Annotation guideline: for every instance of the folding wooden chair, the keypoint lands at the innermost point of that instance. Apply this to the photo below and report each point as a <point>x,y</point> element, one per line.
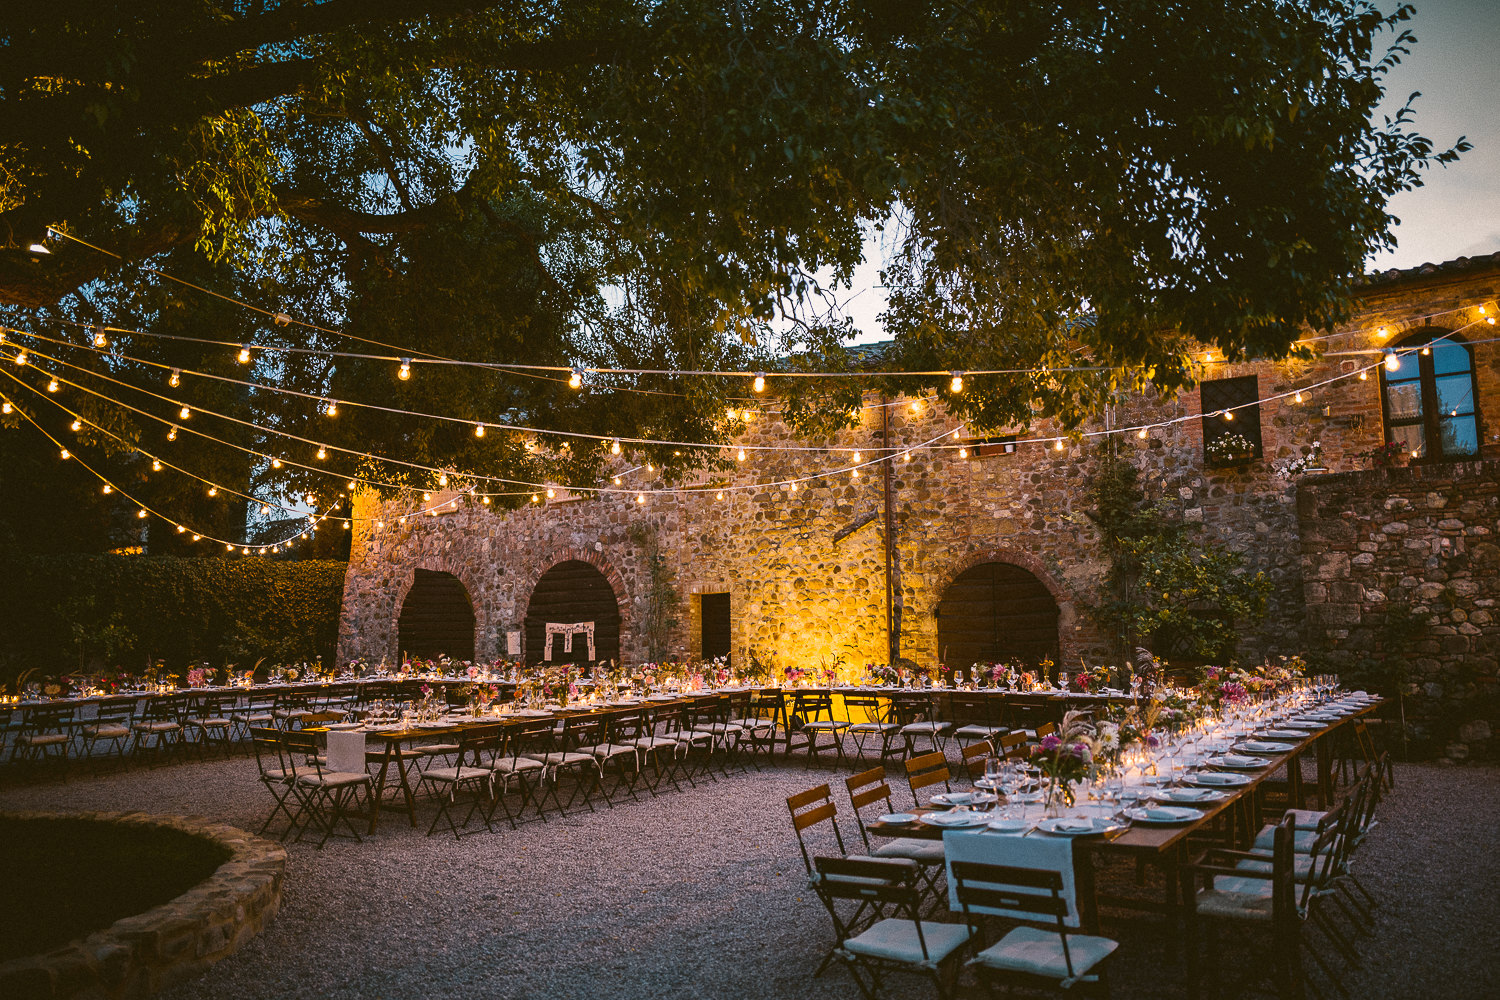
<point>326,795</point>
<point>879,727</point>
<point>926,771</point>
<point>474,768</point>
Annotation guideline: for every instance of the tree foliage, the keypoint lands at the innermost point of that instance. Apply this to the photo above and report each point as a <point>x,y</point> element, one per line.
<point>1077,187</point>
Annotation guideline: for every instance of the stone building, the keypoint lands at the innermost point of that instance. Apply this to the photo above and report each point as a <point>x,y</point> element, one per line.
<point>993,551</point>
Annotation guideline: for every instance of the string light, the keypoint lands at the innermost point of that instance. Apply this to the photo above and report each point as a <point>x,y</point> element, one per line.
<point>141,513</point>
<point>854,473</point>
<point>575,380</point>
<point>1297,398</point>
<point>741,456</point>
<point>6,407</point>
<point>719,495</point>
<point>21,358</point>
<point>916,406</point>
<point>486,501</point>
<point>1364,375</point>
<point>199,538</point>
<point>747,416</point>
<point>1142,434</point>
<point>963,453</point>
<point>792,486</point>
<point>184,413</point>
<point>1383,332</point>
<point>640,498</point>
<point>244,355</point>
<point>614,449</point>
<point>1228,414</point>
<point>1392,363</point>
<point>350,487</point>
<point>213,491</point>
<point>75,426</point>
<point>108,489</point>
<point>275,463</point>
<point>551,493</point>
<point>535,498</point>
<point>856,456</point>
<point>322,452</point>
<point>443,479</point>
<point>760,381</point>
<point>172,434</point>
<point>617,480</point>
<point>333,408</point>
<point>479,430</point>
<point>156,465</point>
<point>181,529</point>
<point>404,372</point>
<point>1059,444</point>
<point>100,340</point>
<point>957,385</point>
<point>52,385</point>
<point>175,379</point>
<point>65,454</point>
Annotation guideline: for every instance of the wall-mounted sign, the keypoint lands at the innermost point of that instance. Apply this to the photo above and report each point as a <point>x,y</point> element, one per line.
<point>568,631</point>
<point>513,643</point>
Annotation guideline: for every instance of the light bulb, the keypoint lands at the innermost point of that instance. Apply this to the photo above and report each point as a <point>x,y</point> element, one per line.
<point>52,385</point>
<point>401,519</point>
<point>244,354</point>
<point>346,525</point>
<point>229,547</point>
<point>856,456</point>
<point>1059,444</point>
<point>1392,363</point>
<point>720,495</point>
<point>172,434</point>
<point>640,498</point>
<point>184,413</point>
<point>350,486</point>
<point>197,538</point>
<point>535,498</point>
<point>6,407</point>
<point>747,416</point>
<point>1490,320</point>
<point>180,529</point>
<point>1364,375</point>
<point>963,453</point>
<point>906,457</point>
<point>792,487</point>
<point>854,473</point>
<point>100,340</point>
<point>1427,350</point>
<point>175,379</point>
<point>551,493</point>
<point>275,463</point>
<point>141,512</point>
<point>443,479</point>
<point>486,501</point>
<point>1383,332</point>
<point>76,426</point>
<point>404,372</point>
<point>741,456</point>
<point>243,552</point>
<point>575,380</point>
<point>322,452</point>
<point>156,465</point>
<point>617,480</point>
<point>479,430</point>
<point>21,358</point>
<point>614,449</point>
<point>1228,414</point>
<point>333,408</point>
<point>108,488</point>
<point>957,385</point>
<point>916,406</point>
<point>1141,434</point>
<point>213,491</point>
<point>760,381</point>
<point>1297,398</point>
<point>426,497</point>
<point>66,454</point>
<point>650,467</point>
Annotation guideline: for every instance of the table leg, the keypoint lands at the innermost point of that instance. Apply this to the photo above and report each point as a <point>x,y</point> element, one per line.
<point>411,800</point>
<point>379,790</point>
<point>1324,746</point>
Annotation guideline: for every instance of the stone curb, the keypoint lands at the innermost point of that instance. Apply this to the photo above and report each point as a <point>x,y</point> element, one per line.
<point>143,954</point>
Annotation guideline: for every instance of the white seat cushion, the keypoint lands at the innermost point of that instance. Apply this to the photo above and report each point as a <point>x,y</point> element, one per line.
<point>607,750</point>
<point>519,764</point>
<point>438,748</point>
<point>108,732</point>
<point>564,757</point>
<point>922,851</point>
<point>42,739</point>
<point>984,732</point>
<point>897,941</point>
<point>333,779</point>
<point>873,727</point>
<point>1302,840</point>
<point>452,774</point>
<point>925,727</point>
<point>156,727</point>
<point>825,725</point>
<point>210,723</point>
<point>651,742</point>
<point>1036,952</point>
<point>1223,902</point>
<point>1301,866</point>
<point>719,728</point>
<point>1306,819</point>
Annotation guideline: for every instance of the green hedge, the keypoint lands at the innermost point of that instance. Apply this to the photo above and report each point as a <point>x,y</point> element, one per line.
<point>129,610</point>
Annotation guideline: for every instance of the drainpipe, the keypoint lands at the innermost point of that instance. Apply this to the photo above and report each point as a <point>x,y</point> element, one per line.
<point>892,579</point>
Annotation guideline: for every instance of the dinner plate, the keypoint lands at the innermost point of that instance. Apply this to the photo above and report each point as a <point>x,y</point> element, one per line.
<point>1194,795</point>
<point>1239,761</point>
<point>1163,815</point>
<point>1009,825</point>
<point>898,818</point>
<point>1264,747</point>
<point>962,798</point>
<point>1283,734</point>
<point>340,726</point>
<point>661,697</point>
<point>955,820</point>
<point>1026,798</point>
<point>1219,778</point>
<point>1064,826</point>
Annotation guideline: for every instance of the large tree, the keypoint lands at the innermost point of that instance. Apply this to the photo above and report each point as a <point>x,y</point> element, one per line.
<point>1084,187</point>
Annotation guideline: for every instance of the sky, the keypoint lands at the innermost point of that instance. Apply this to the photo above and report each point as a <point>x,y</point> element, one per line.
<point>1455,65</point>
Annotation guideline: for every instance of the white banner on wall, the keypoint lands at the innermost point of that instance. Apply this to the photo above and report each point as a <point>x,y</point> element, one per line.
<point>568,631</point>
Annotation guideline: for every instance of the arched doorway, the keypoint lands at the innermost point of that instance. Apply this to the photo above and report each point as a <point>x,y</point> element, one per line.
<point>437,618</point>
<point>572,593</point>
<point>996,612</point>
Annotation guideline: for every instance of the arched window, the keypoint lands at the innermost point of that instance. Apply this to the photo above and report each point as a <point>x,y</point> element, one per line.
<point>1430,398</point>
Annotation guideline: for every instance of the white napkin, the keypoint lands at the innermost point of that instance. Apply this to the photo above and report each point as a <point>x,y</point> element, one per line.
<point>346,752</point>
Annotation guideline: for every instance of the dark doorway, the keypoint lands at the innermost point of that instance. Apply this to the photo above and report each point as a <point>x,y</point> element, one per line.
<point>715,625</point>
<point>437,618</point>
<point>996,612</point>
<point>570,593</point>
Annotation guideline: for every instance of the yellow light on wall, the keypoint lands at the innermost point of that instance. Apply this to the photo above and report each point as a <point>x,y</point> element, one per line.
<point>719,495</point>
<point>916,406</point>
<point>1059,444</point>
<point>640,498</point>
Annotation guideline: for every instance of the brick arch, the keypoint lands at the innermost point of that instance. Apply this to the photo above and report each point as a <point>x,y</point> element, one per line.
<point>1067,611</point>
<point>539,565</point>
<point>438,565</point>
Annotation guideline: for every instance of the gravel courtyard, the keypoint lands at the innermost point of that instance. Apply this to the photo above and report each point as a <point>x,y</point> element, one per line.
<point>702,894</point>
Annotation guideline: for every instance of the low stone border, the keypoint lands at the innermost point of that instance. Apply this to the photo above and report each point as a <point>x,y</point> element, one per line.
<point>140,955</point>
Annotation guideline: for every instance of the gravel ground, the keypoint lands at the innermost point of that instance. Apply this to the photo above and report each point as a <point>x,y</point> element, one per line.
<point>702,894</point>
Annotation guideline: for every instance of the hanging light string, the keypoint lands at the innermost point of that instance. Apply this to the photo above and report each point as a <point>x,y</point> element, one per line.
<point>465,421</point>
<point>283,318</point>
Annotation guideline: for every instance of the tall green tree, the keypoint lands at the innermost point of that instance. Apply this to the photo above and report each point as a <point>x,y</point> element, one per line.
<point>1077,187</point>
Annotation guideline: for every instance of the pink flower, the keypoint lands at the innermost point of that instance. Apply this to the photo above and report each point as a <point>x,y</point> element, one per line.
<point>1051,742</point>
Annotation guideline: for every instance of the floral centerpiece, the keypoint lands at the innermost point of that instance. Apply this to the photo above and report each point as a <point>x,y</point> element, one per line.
<point>1230,447</point>
<point>885,675</point>
<point>1066,757</point>
<point>1091,680</point>
<point>1222,686</point>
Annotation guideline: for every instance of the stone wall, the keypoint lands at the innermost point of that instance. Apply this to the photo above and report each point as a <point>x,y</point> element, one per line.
<point>1402,576</point>
<point>801,597</point>
<point>141,955</point>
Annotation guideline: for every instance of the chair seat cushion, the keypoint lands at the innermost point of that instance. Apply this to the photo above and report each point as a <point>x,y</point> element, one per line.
<point>563,757</point>
<point>896,940</point>
<point>1036,952</point>
<point>1301,866</point>
<point>607,750</point>
<point>874,727</point>
<point>333,779</point>
<point>754,725</point>
<point>42,739</point>
<point>922,851</point>
<point>254,719</point>
<point>431,749</point>
<point>1306,819</point>
<point>448,775</point>
<point>210,723</point>
<point>518,764</point>
<point>983,732</point>
<point>719,728</point>
<point>826,725</point>
<point>1225,901</point>
<point>108,732</point>
<point>156,727</point>
<point>693,737</point>
<point>652,742</point>
<point>925,727</point>
<point>1302,840</point>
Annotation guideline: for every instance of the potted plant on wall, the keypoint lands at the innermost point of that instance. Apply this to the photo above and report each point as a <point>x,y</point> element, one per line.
<point>1229,449</point>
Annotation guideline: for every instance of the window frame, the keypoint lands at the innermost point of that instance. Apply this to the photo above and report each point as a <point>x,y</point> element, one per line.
<point>1246,417</point>
<point>1429,416</point>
